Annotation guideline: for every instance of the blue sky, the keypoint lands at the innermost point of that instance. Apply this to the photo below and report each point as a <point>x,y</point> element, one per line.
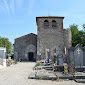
<point>18,17</point>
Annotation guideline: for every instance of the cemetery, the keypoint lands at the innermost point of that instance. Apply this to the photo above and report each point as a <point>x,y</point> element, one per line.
<point>74,69</point>
<point>55,57</point>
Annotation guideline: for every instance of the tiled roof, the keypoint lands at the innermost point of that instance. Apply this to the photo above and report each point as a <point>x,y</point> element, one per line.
<point>49,17</point>
<point>26,35</point>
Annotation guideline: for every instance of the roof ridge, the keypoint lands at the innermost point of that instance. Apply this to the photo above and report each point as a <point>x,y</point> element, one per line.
<point>26,35</point>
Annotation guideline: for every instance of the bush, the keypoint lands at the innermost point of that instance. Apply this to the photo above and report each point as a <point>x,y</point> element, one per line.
<point>38,64</point>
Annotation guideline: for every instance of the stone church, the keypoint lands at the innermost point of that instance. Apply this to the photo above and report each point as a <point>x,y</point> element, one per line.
<point>51,41</point>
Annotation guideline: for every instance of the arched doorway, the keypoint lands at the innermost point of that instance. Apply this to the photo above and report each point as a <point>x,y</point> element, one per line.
<point>30,56</point>
<point>31,52</point>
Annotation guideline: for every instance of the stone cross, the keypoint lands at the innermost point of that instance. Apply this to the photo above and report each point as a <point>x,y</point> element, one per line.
<point>55,50</point>
<point>78,51</point>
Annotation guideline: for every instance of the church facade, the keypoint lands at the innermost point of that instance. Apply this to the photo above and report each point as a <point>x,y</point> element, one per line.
<point>51,41</point>
<point>25,48</point>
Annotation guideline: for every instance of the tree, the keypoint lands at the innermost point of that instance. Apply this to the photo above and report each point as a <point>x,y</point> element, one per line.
<point>81,38</point>
<point>84,27</point>
<point>78,36</point>
<point>82,35</point>
<point>74,30</point>
<point>4,42</point>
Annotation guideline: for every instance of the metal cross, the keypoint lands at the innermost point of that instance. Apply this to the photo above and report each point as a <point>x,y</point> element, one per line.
<point>78,51</point>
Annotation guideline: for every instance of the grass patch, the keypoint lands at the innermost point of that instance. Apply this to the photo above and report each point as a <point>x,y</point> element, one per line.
<point>40,77</point>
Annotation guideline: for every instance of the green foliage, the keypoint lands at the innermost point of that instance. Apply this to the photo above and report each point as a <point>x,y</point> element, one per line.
<point>4,42</point>
<point>40,77</point>
<point>78,36</point>
<point>33,68</point>
<point>72,62</point>
<point>38,64</point>
<point>84,27</point>
<point>74,30</point>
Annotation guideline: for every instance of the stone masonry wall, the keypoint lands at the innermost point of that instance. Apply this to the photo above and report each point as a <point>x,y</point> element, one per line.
<point>51,37</point>
<point>22,43</point>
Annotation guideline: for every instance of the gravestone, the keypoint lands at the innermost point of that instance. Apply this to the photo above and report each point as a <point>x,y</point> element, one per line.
<point>48,53</point>
<point>84,55</point>
<point>77,58</point>
<point>55,59</point>
<point>60,59</point>
<point>76,55</point>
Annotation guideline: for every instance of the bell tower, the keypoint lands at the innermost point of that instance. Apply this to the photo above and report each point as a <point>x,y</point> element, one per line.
<point>50,34</point>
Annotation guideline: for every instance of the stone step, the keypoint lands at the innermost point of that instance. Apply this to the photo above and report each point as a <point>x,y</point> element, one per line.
<point>80,80</point>
<point>43,78</point>
<point>62,76</point>
<point>80,69</point>
<point>48,68</point>
<point>43,67</point>
<point>79,77</point>
<point>66,77</point>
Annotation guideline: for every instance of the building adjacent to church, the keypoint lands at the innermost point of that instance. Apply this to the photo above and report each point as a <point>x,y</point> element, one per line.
<point>3,54</point>
<point>51,41</point>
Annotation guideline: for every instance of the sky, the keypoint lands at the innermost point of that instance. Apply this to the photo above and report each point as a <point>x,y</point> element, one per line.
<point>18,17</point>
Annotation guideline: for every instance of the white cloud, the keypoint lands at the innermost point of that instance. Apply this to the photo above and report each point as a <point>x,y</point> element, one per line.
<point>2,8</point>
<point>6,6</point>
<point>12,6</point>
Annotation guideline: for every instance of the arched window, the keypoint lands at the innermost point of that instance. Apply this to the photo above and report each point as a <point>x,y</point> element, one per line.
<point>46,23</point>
<point>53,23</point>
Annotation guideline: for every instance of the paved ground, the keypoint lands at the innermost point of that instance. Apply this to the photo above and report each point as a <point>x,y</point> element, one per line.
<point>18,75</point>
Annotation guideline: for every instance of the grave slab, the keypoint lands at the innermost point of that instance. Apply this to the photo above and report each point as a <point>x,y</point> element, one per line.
<point>80,80</point>
<point>44,75</point>
<point>63,76</point>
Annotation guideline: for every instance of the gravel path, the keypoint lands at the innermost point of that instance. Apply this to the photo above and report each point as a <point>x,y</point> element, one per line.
<point>18,75</point>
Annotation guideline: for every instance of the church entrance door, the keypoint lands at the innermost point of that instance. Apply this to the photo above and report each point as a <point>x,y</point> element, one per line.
<point>30,56</point>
